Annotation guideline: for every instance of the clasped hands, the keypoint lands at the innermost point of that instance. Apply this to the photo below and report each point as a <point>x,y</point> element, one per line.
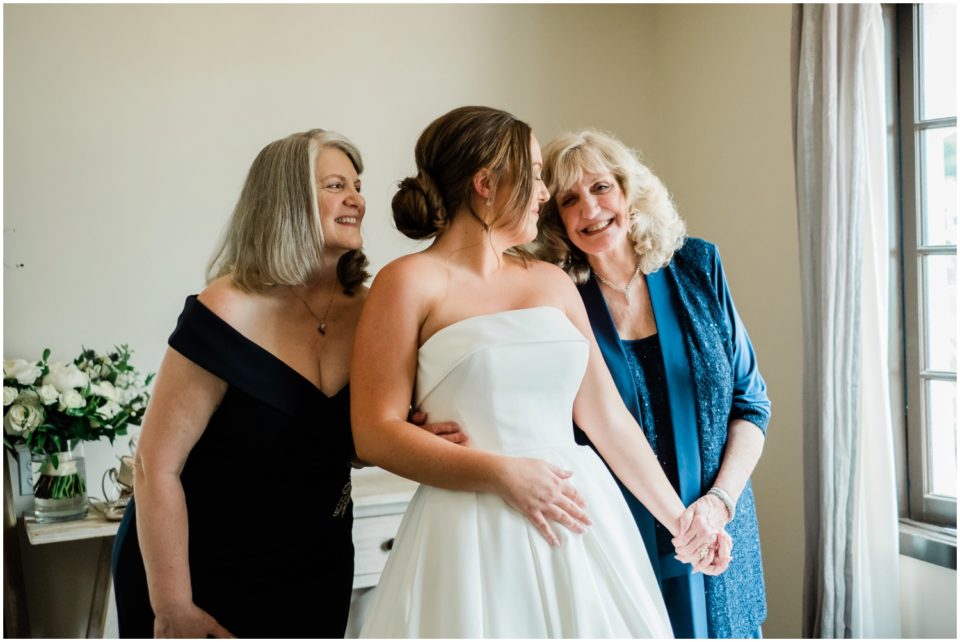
<point>702,540</point>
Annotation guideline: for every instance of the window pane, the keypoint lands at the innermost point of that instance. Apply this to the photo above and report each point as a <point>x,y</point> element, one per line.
<point>939,180</point>
<point>938,59</point>
<point>942,437</point>
<point>940,311</point>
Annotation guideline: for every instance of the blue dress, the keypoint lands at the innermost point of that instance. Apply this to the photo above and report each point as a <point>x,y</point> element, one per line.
<point>712,377</point>
<point>267,488</point>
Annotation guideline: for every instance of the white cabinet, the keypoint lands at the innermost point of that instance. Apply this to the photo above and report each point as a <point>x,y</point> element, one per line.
<point>379,499</point>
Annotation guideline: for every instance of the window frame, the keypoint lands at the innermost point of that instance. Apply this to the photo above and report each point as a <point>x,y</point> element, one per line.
<point>922,506</point>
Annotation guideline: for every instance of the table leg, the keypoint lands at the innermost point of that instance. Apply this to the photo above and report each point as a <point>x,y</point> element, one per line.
<point>101,590</point>
<point>16,618</point>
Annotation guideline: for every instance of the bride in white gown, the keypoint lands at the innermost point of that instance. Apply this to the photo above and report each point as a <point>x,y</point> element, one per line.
<point>502,345</point>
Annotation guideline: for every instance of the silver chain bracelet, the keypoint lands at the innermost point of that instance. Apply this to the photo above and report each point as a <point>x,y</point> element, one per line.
<point>722,495</point>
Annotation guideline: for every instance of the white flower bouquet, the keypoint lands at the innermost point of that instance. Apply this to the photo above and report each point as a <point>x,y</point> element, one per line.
<point>49,408</point>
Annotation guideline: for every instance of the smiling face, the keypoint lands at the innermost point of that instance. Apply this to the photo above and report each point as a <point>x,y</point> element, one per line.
<point>338,197</point>
<point>594,213</point>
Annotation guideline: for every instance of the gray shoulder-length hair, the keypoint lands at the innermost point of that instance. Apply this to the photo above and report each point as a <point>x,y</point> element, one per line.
<point>656,229</point>
<point>274,235</point>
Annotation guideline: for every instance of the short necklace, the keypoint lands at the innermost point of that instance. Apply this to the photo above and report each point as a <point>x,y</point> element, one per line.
<point>625,291</point>
<point>322,321</point>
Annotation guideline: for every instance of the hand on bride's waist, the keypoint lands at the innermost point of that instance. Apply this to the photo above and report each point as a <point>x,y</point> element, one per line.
<point>538,489</point>
<point>543,493</point>
<point>449,430</point>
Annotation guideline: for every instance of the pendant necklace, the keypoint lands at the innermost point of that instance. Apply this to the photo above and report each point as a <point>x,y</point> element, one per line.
<point>625,291</point>
<point>321,321</point>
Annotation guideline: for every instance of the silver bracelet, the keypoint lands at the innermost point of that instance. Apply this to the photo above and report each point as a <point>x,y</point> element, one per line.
<point>722,495</point>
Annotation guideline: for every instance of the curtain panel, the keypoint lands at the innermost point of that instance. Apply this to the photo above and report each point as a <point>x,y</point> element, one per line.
<point>851,578</point>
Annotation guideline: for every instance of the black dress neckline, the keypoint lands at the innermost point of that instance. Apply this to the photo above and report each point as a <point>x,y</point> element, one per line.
<point>256,347</point>
<point>642,341</point>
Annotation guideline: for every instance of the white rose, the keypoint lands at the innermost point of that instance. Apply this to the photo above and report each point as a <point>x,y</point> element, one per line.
<point>65,377</point>
<point>24,372</point>
<point>71,399</point>
<point>10,365</point>
<point>104,389</point>
<point>124,380</point>
<point>48,394</point>
<point>15,419</point>
<point>21,420</point>
<point>28,398</point>
<point>127,395</point>
<point>109,410</point>
<point>9,394</point>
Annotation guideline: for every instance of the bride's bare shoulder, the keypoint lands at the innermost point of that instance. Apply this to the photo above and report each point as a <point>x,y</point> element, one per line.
<point>418,266</point>
<point>414,275</point>
<point>549,275</point>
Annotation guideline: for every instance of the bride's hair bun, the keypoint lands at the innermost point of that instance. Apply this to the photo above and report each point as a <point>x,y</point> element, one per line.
<point>418,209</point>
<point>449,153</point>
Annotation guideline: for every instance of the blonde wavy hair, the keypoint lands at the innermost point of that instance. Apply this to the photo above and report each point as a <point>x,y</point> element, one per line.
<point>656,229</point>
<point>274,236</point>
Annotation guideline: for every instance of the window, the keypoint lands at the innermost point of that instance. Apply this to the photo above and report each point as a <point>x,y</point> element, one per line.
<point>927,90</point>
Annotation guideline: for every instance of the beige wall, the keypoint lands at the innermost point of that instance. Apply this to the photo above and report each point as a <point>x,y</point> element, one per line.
<point>725,151</point>
<point>128,130</point>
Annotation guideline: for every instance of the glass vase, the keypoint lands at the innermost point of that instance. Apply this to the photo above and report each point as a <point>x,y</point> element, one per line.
<point>60,490</point>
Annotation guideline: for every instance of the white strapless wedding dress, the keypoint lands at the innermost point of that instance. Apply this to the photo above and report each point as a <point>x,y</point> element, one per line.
<point>466,565</point>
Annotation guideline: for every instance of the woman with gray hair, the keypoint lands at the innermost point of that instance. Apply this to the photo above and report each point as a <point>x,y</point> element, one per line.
<point>664,319</point>
<point>250,418</point>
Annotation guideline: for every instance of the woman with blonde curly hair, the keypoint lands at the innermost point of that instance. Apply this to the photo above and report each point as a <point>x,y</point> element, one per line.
<point>664,319</point>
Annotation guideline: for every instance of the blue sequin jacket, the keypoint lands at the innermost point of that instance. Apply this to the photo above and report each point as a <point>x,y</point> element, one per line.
<point>712,378</point>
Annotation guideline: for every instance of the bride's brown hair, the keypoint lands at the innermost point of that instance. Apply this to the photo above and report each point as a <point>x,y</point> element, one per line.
<point>449,153</point>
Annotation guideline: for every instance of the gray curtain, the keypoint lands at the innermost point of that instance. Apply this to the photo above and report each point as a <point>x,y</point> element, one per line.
<point>839,122</point>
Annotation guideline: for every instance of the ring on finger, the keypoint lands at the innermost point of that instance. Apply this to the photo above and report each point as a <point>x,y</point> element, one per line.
<point>702,552</point>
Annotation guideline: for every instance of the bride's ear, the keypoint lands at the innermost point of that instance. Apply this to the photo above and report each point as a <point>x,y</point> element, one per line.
<point>483,184</point>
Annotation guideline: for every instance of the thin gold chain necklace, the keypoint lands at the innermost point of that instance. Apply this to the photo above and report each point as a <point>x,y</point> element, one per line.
<point>625,291</point>
<point>321,321</point>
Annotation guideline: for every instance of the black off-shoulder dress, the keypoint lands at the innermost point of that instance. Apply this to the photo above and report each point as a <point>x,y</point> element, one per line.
<point>267,488</point>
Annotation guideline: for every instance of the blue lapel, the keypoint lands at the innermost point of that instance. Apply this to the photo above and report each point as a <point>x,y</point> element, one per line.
<point>689,613</point>
<point>687,605</point>
<point>609,342</point>
<point>680,386</point>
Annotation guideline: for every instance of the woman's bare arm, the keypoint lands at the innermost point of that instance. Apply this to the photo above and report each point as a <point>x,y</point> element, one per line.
<point>601,413</point>
<point>185,397</point>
